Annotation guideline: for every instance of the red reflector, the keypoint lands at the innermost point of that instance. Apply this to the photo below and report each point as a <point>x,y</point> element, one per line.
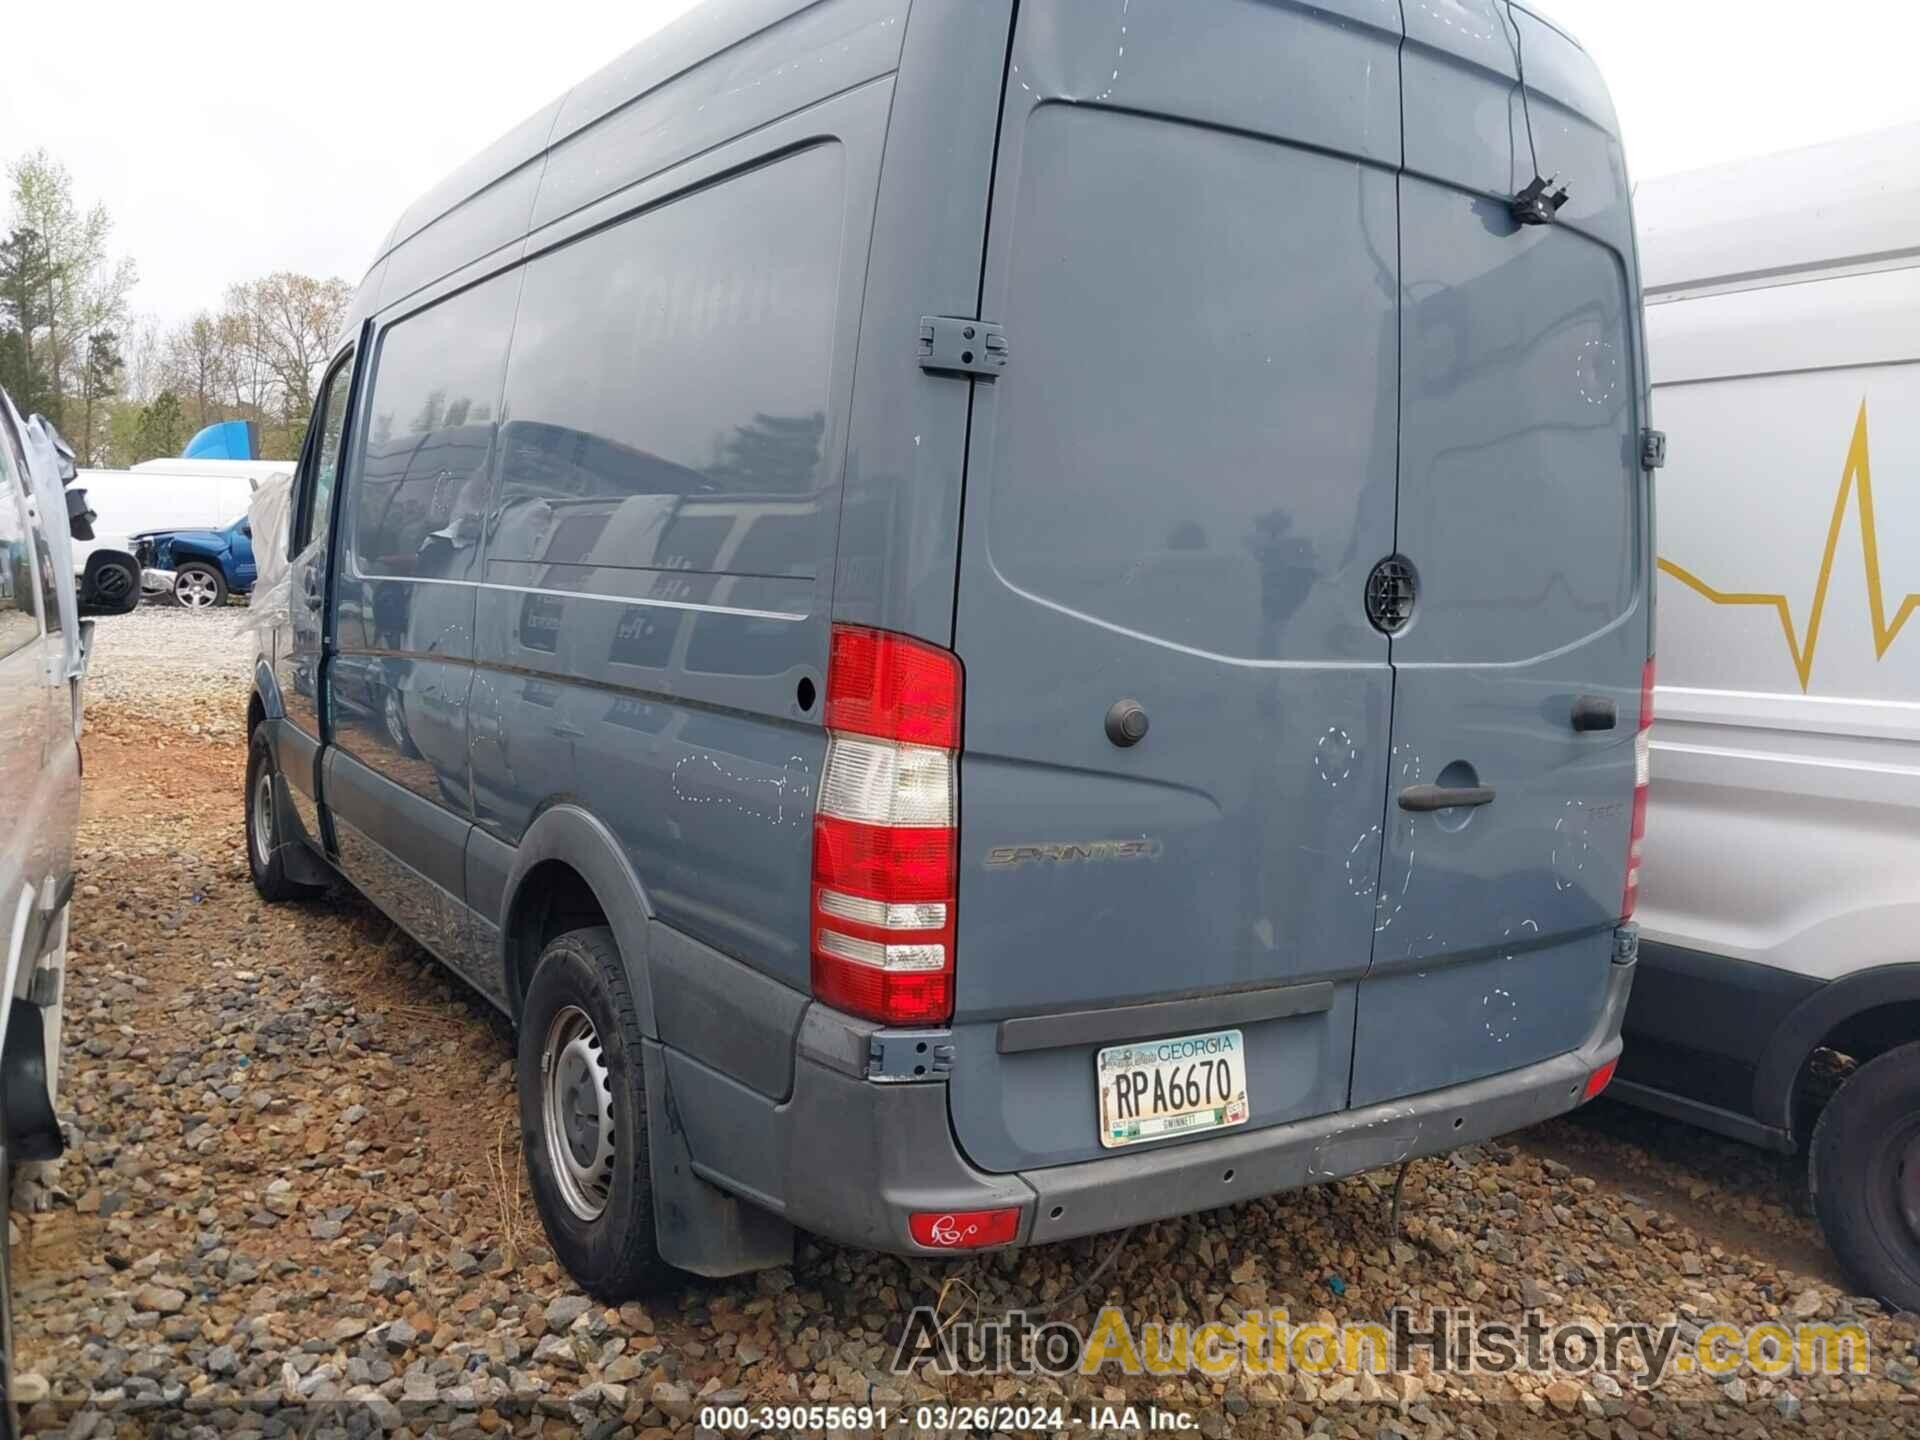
<point>1646,694</point>
<point>889,685</point>
<point>964,1229</point>
<point>1600,1079</point>
<point>896,997</point>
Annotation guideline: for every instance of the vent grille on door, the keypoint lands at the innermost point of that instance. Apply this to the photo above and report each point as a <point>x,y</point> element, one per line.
<point>1390,590</point>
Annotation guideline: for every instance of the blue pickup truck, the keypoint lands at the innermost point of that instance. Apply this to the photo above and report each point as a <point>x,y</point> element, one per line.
<point>199,568</point>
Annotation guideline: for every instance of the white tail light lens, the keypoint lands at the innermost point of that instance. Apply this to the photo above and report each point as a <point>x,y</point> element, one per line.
<point>879,783</point>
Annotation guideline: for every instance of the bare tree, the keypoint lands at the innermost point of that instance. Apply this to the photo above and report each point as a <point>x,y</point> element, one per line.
<point>295,320</point>
<point>197,365</point>
<point>252,384</point>
<point>145,354</point>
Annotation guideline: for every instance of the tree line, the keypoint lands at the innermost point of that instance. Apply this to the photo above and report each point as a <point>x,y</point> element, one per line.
<point>121,387</point>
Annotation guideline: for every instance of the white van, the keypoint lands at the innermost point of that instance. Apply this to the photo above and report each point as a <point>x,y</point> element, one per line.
<point>1780,911</point>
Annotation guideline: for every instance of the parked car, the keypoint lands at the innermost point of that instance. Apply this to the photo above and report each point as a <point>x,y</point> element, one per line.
<point>1783,321</point>
<point>43,653</point>
<point>154,496</point>
<point>954,732</point>
<point>199,568</point>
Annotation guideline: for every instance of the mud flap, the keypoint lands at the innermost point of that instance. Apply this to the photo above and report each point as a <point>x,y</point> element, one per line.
<point>32,1129</point>
<point>698,1226</point>
<point>297,856</point>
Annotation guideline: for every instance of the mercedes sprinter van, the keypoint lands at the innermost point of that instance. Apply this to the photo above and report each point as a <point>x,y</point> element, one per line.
<point>991,621</point>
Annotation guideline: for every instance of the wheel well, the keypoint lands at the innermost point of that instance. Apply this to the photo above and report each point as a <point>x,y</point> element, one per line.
<point>1873,1032</point>
<point>553,899</point>
<point>256,713</point>
<point>1848,1045</point>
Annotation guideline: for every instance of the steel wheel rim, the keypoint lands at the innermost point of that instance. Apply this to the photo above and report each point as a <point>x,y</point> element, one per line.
<point>263,818</point>
<point>194,589</point>
<point>1906,1179</point>
<point>576,1097</point>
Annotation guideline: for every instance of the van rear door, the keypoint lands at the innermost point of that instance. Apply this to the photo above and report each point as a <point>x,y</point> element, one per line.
<point>1175,494</point>
<point>1523,512</point>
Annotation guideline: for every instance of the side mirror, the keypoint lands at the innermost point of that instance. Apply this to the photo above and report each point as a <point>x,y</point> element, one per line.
<point>80,516</point>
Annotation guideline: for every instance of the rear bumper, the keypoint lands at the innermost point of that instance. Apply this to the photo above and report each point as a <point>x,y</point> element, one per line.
<point>860,1157</point>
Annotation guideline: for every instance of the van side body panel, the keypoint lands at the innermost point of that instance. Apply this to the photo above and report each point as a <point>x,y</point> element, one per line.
<point>657,576</point>
<point>1784,315</point>
<point>594,606</point>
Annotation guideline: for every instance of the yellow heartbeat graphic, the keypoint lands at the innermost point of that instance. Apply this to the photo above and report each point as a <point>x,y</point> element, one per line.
<point>1883,632</point>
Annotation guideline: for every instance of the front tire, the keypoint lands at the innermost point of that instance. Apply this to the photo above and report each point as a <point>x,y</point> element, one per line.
<point>1864,1169</point>
<point>583,1118</point>
<point>199,587</point>
<point>266,861</point>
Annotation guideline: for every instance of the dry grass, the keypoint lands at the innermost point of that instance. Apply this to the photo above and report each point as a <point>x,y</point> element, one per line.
<point>506,1179</point>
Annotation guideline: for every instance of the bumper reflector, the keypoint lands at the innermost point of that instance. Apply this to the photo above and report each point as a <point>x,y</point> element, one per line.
<point>1599,1080</point>
<point>964,1229</point>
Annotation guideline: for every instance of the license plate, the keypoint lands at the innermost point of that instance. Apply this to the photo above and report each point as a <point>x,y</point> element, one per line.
<point>1153,1089</point>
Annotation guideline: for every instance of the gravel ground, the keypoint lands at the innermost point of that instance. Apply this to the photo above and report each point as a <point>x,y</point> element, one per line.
<point>187,669</point>
<point>293,1201</point>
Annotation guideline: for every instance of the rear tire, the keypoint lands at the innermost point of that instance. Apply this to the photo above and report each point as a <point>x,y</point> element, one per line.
<point>583,1118</point>
<point>9,1411</point>
<point>265,860</point>
<point>1864,1170</point>
<point>199,587</point>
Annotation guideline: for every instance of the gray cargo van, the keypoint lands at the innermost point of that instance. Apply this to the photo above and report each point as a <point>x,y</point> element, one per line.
<point>988,621</point>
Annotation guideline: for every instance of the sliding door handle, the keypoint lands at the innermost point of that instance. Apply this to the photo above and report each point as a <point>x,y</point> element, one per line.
<point>1422,799</point>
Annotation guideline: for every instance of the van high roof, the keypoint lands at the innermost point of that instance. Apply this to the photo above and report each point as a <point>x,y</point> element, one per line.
<point>1851,204</point>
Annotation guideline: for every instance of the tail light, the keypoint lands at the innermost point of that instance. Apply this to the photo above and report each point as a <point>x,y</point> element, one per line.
<point>883,831</point>
<point>1642,773</point>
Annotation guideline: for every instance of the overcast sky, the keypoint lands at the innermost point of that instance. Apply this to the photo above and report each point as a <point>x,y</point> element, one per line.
<point>230,138</point>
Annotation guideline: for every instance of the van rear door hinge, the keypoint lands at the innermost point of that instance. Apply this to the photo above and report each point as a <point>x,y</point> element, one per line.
<point>957,346</point>
<point>909,1054</point>
<point>1653,449</point>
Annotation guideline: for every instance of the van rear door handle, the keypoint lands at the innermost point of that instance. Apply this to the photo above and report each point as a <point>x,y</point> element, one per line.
<point>1594,712</point>
<point>1424,798</point>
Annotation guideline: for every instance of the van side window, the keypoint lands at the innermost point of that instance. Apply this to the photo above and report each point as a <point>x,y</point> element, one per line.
<point>19,624</point>
<point>331,419</point>
<point>684,352</point>
<point>420,495</point>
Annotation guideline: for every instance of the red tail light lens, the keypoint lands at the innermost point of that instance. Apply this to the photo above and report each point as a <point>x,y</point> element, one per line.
<point>883,834</point>
<point>964,1229</point>
<point>883,684</point>
<point>1642,774</point>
